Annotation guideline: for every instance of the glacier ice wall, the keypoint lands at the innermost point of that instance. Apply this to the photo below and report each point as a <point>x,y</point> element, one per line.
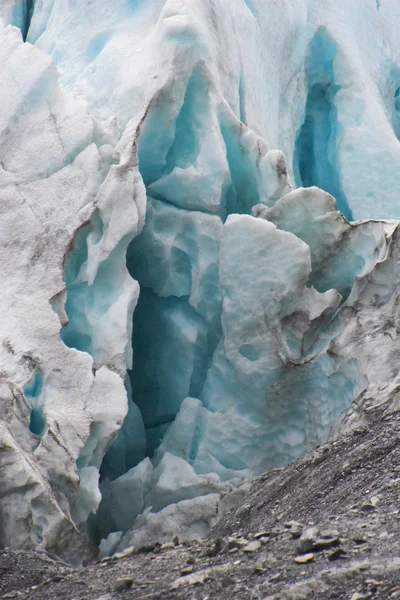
<point>186,305</point>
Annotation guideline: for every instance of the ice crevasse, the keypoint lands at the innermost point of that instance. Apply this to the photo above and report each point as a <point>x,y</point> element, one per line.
<point>199,253</point>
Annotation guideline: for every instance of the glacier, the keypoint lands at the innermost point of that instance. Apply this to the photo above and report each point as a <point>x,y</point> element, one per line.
<point>199,254</point>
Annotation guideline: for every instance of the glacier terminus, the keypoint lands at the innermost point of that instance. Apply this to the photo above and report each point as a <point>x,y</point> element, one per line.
<point>199,254</point>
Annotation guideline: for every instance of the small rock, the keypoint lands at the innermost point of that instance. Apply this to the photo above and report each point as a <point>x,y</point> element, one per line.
<point>323,543</point>
<point>123,583</point>
<point>216,548</point>
<point>167,546</point>
<point>307,540</point>
<point>329,533</point>
<point>337,554</point>
<point>360,540</point>
<point>234,543</point>
<point>252,546</point>
<point>291,524</point>
<point>294,528</point>
<point>368,507</point>
<point>260,563</point>
<point>305,558</point>
<point>200,577</point>
<point>148,548</point>
<point>357,596</point>
<point>243,510</point>
<point>261,534</point>
<point>186,570</point>
<point>383,535</point>
<point>127,552</point>
<point>259,569</point>
<point>175,540</point>
<point>192,579</point>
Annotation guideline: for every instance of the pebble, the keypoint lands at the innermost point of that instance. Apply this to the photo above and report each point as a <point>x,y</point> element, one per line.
<point>294,528</point>
<point>261,534</point>
<point>193,579</point>
<point>292,524</point>
<point>323,543</point>
<point>167,546</point>
<point>312,539</point>
<point>307,540</point>
<point>234,542</point>
<point>259,569</point>
<point>215,548</point>
<point>127,552</point>
<point>337,554</point>
<point>305,558</point>
<point>368,507</point>
<point>252,546</point>
<point>123,583</point>
<point>360,540</point>
<point>329,533</point>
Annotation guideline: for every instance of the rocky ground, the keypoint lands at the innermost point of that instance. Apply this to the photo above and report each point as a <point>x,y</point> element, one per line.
<point>325,527</point>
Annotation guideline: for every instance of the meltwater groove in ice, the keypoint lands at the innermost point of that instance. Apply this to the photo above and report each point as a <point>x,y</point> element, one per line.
<point>32,392</point>
<point>315,157</point>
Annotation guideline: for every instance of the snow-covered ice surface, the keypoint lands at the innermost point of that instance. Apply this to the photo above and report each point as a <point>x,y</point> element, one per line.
<point>192,150</point>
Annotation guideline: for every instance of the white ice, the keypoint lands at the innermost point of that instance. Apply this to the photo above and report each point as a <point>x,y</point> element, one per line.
<point>184,306</point>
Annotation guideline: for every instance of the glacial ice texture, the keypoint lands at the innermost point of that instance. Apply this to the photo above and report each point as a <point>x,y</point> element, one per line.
<point>199,250</point>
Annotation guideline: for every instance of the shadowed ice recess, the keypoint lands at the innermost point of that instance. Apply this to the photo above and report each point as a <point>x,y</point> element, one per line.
<point>229,288</point>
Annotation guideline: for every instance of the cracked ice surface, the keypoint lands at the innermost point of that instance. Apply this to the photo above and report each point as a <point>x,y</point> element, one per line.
<point>138,144</point>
